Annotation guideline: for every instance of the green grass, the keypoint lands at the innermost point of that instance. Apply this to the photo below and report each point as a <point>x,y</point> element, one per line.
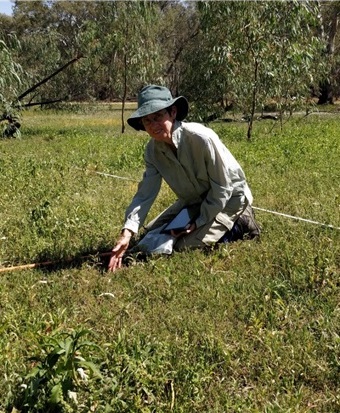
<point>247,327</point>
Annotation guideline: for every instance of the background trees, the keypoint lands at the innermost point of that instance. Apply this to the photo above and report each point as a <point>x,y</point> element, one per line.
<point>257,52</point>
<point>220,54</point>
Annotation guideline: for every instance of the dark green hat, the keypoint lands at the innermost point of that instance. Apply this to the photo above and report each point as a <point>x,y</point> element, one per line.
<point>153,98</point>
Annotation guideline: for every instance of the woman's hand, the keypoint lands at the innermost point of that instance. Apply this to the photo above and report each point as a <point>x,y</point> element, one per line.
<point>185,232</point>
<point>119,250</point>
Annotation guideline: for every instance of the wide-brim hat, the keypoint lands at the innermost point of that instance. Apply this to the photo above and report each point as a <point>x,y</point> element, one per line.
<point>153,98</point>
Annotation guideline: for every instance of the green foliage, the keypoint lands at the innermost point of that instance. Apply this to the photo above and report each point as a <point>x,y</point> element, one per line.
<point>143,373</point>
<point>51,35</point>
<point>147,374</point>
<point>11,128</point>
<point>11,77</point>
<point>57,373</point>
<point>10,70</point>
<point>270,51</point>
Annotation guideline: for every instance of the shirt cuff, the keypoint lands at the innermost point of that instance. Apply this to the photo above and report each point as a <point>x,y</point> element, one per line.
<point>132,226</point>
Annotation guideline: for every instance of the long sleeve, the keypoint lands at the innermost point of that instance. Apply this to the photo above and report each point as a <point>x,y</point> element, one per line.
<point>141,203</point>
<point>221,177</point>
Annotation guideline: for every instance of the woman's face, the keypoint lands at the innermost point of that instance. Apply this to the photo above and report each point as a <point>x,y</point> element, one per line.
<point>159,125</point>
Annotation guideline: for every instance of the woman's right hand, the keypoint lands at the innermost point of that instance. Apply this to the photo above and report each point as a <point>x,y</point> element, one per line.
<point>119,250</point>
<point>187,231</point>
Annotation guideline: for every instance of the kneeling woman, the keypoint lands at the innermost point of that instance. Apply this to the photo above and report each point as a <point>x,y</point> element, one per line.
<point>200,170</point>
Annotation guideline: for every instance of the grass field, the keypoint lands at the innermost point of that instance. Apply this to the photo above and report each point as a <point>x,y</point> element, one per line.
<point>246,327</point>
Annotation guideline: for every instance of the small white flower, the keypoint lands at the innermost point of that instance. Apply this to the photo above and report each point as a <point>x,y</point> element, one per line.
<point>72,395</point>
<point>82,374</point>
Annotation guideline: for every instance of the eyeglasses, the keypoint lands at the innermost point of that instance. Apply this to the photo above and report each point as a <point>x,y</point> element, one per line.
<point>154,118</point>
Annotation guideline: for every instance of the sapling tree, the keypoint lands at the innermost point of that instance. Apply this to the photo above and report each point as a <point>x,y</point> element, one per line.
<point>124,42</point>
<point>259,51</point>
<point>138,57</point>
<point>64,366</point>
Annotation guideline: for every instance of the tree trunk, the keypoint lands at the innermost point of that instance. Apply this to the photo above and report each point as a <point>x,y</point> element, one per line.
<point>326,95</point>
<point>124,92</point>
<point>326,91</point>
<point>253,103</point>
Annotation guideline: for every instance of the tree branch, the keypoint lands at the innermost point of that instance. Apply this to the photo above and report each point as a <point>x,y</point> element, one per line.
<point>31,89</point>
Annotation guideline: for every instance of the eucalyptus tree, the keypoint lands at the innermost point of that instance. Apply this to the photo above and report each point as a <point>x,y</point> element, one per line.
<point>70,23</point>
<point>40,54</point>
<point>256,51</point>
<point>124,43</point>
<point>182,28</point>
<point>51,35</point>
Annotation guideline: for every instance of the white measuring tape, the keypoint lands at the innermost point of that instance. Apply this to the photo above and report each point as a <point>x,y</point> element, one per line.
<point>105,174</point>
<point>256,208</point>
<point>115,176</point>
<point>297,218</point>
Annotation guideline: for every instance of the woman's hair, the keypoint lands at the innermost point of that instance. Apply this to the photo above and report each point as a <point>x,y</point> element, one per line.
<point>169,109</point>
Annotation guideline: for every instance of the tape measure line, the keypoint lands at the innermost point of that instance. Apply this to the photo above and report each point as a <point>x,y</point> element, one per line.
<point>297,218</point>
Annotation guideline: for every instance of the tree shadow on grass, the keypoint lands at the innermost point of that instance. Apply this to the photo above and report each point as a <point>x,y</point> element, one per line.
<point>94,258</point>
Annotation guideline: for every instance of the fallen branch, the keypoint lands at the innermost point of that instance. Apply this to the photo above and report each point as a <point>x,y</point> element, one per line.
<point>45,102</point>
<point>46,79</point>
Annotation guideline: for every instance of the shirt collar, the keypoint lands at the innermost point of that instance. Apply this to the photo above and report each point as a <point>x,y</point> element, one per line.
<point>176,134</point>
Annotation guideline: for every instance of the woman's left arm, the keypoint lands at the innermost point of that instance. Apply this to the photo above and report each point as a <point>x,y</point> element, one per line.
<point>221,169</point>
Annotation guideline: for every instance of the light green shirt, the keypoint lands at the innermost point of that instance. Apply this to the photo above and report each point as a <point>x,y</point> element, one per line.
<point>203,170</point>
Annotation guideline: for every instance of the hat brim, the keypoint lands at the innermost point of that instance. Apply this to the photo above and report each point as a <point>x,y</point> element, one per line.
<point>180,102</point>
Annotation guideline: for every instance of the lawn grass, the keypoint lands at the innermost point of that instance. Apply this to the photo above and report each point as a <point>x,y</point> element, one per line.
<point>246,327</point>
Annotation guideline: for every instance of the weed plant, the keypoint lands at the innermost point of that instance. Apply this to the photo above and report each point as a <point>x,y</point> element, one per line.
<point>244,327</point>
